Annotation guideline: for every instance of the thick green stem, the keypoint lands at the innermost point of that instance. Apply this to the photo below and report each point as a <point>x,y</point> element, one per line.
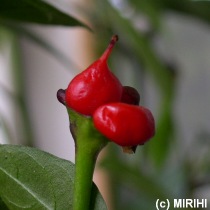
<point>85,164</point>
<point>88,144</point>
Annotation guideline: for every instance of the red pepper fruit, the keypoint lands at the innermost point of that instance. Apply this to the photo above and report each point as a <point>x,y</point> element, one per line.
<point>130,95</point>
<point>126,125</point>
<point>94,86</point>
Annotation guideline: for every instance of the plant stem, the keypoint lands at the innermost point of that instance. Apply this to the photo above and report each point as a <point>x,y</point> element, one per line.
<point>88,144</point>
<point>85,164</point>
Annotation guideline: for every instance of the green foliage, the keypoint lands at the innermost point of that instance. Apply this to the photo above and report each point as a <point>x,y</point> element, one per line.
<point>35,11</point>
<point>40,41</point>
<point>33,179</point>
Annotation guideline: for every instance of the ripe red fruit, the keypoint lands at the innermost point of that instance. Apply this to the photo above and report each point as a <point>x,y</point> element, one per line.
<point>130,95</point>
<point>94,86</point>
<point>126,125</point>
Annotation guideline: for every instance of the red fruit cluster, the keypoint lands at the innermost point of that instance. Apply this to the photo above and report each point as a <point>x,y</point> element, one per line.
<point>97,92</point>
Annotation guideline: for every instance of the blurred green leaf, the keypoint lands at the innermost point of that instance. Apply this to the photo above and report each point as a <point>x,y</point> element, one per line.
<point>133,176</point>
<point>195,9</point>
<point>40,41</point>
<point>159,146</point>
<point>35,11</point>
<point>20,89</point>
<point>6,128</point>
<point>33,179</point>
<point>143,186</point>
<point>11,43</point>
<point>150,9</point>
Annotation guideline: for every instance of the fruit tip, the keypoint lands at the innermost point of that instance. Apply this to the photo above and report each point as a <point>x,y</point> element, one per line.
<point>115,38</point>
<point>108,50</point>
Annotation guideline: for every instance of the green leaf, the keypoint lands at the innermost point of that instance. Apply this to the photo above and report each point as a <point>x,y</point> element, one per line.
<point>33,179</point>
<point>35,11</point>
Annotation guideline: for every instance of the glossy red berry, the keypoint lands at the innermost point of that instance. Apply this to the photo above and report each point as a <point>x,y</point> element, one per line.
<point>126,125</point>
<point>94,86</point>
<point>130,95</point>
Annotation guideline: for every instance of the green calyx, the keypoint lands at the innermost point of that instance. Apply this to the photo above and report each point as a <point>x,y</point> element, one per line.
<point>84,132</point>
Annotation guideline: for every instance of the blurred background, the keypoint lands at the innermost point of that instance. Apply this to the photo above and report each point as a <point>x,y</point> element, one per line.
<point>163,51</point>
